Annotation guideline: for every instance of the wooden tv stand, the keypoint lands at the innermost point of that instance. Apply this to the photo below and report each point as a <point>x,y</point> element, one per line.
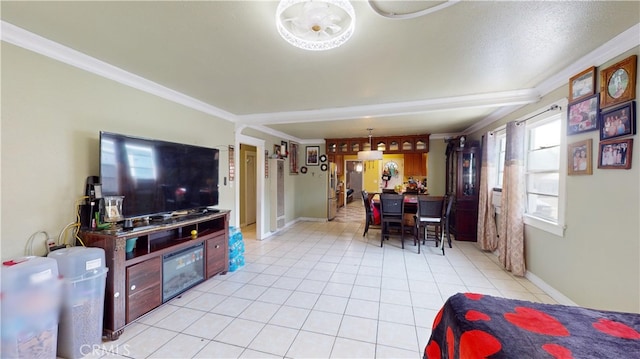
<point>134,280</point>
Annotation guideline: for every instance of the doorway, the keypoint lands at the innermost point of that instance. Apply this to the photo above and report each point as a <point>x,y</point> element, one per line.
<point>353,180</point>
<point>250,188</point>
<point>256,145</point>
<point>247,186</point>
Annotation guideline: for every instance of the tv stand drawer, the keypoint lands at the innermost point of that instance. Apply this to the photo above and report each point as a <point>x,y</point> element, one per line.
<point>144,288</point>
<point>217,255</point>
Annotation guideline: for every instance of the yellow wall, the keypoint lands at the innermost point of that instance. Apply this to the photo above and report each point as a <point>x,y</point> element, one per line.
<point>373,171</point>
<point>371,177</point>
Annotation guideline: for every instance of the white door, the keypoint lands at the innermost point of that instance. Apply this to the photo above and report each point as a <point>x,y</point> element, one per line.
<point>250,187</point>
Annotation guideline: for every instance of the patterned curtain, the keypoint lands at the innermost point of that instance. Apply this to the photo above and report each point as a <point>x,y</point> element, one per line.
<point>487,233</point>
<point>511,228</point>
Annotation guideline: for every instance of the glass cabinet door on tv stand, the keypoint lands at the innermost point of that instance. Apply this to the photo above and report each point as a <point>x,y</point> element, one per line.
<point>463,179</point>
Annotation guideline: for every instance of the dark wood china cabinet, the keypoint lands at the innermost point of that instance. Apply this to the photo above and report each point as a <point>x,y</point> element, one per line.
<point>463,180</point>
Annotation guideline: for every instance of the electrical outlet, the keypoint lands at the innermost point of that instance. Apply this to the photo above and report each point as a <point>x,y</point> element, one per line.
<point>50,243</point>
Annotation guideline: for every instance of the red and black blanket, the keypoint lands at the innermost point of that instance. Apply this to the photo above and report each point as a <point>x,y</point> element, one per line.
<point>473,325</point>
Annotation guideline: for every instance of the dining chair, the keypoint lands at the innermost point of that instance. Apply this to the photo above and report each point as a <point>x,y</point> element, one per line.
<point>391,212</point>
<point>444,231</point>
<point>429,215</point>
<point>369,219</point>
<point>445,221</point>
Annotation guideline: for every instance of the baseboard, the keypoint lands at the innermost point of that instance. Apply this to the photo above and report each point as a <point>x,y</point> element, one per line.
<point>286,225</point>
<point>312,219</point>
<point>552,292</point>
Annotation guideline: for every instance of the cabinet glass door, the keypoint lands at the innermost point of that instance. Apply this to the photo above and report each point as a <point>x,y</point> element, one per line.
<point>468,176</point>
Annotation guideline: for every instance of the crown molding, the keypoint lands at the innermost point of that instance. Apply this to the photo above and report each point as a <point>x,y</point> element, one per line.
<point>279,134</point>
<point>27,40</point>
<point>612,48</point>
<point>494,99</point>
<point>509,101</point>
<point>620,44</point>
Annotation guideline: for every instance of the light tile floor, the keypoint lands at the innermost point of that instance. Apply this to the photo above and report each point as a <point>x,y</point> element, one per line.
<point>319,290</point>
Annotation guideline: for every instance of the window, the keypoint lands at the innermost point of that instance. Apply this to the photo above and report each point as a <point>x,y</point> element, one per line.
<point>543,168</point>
<point>501,150</point>
<point>544,173</point>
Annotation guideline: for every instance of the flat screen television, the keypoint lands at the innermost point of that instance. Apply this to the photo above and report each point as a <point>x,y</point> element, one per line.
<point>157,177</point>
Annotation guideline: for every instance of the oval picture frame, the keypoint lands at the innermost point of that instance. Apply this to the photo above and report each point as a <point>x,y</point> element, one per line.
<point>303,169</point>
<point>323,158</point>
<point>323,167</point>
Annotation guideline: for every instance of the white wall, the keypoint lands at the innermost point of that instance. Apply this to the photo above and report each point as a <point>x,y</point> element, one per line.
<point>51,117</point>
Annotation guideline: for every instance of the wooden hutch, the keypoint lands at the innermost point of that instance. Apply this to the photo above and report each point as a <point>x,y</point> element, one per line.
<point>463,181</point>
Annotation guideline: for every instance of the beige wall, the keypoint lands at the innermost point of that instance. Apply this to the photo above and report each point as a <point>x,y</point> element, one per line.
<point>52,114</point>
<point>312,188</point>
<point>597,262</point>
<point>51,117</point>
<point>436,167</point>
<point>305,194</point>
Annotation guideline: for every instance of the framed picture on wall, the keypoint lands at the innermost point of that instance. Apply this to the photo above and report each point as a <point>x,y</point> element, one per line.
<point>615,154</point>
<point>618,121</point>
<point>293,158</point>
<point>284,149</point>
<point>580,158</point>
<point>582,116</point>
<point>618,82</point>
<point>312,157</point>
<point>582,85</point>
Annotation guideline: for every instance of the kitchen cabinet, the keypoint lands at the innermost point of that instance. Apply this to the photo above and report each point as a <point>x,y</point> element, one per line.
<point>415,165</point>
<point>390,145</point>
<point>339,160</point>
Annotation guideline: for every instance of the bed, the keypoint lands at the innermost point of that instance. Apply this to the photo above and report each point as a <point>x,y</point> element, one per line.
<point>471,325</point>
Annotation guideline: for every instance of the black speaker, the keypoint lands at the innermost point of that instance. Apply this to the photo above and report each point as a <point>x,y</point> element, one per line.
<point>91,206</point>
<point>93,188</point>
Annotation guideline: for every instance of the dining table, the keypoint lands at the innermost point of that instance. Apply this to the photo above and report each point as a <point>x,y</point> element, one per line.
<point>410,206</point>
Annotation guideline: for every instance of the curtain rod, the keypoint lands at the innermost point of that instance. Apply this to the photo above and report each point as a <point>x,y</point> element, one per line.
<point>553,107</point>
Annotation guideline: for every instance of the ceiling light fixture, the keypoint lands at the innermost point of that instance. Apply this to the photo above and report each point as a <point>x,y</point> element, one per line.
<point>315,25</point>
<point>370,155</point>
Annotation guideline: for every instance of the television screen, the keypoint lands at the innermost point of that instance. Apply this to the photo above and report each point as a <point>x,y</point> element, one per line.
<point>157,177</point>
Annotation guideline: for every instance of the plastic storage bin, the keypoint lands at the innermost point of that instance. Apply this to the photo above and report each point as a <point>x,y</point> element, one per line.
<point>84,276</point>
<point>30,300</point>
